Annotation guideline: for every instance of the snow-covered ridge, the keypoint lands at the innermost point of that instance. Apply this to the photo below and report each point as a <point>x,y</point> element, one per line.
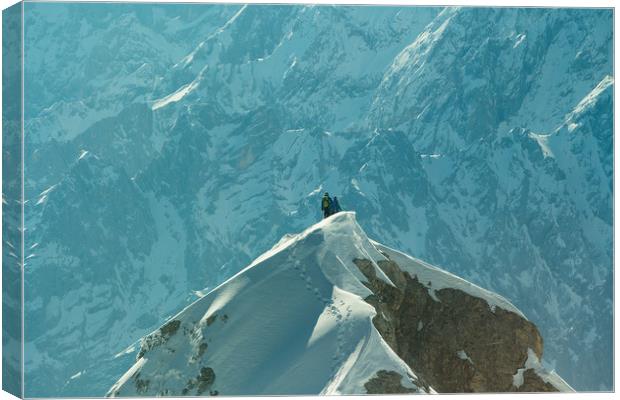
<point>436,279</point>
<point>295,321</point>
<point>305,294</point>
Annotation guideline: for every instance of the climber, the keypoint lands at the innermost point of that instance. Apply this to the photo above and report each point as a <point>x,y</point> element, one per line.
<point>326,203</point>
<point>335,206</point>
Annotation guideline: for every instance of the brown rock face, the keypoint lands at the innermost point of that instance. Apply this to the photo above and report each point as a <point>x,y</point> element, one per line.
<point>386,382</point>
<point>457,344</point>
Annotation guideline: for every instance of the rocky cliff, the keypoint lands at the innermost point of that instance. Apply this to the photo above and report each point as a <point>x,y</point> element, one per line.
<point>454,340</point>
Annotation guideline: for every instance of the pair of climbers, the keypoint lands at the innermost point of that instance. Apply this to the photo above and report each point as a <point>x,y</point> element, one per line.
<point>329,206</point>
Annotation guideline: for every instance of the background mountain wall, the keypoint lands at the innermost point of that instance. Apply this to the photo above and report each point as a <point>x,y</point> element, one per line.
<point>169,145</point>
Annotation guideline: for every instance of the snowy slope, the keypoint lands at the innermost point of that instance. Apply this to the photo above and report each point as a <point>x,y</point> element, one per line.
<point>293,322</point>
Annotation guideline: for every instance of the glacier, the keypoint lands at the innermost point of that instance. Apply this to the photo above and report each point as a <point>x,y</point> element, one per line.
<point>167,145</point>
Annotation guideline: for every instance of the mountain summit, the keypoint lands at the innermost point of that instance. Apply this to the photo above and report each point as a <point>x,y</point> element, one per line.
<point>329,311</point>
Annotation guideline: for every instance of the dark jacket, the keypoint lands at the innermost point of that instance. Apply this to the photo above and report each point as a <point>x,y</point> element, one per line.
<point>335,206</point>
<point>326,203</point>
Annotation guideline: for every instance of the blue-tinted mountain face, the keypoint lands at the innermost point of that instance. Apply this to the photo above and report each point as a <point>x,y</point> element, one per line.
<point>169,145</point>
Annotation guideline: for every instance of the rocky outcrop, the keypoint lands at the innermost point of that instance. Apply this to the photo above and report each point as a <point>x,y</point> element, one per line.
<point>456,342</point>
<point>329,311</point>
<point>387,382</point>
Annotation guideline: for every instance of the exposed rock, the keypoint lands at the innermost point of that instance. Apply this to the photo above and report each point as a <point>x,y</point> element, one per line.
<point>142,385</point>
<point>211,319</point>
<point>170,328</point>
<point>202,348</point>
<point>205,379</point>
<point>159,337</point>
<point>201,383</point>
<point>457,344</point>
<point>387,382</point>
<point>533,383</point>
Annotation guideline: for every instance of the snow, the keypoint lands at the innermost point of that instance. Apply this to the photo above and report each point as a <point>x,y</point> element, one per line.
<point>533,362</point>
<point>134,368</point>
<point>44,195</point>
<point>42,200</point>
<point>436,279</point>
<point>520,38</point>
<point>315,191</point>
<point>130,349</point>
<point>362,366</point>
<point>305,294</point>
<point>176,96</point>
<point>295,321</point>
<point>77,375</point>
<point>63,121</point>
<point>591,97</point>
<point>46,191</point>
<point>463,356</point>
<point>343,242</point>
<point>543,142</point>
<point>190,57</point>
